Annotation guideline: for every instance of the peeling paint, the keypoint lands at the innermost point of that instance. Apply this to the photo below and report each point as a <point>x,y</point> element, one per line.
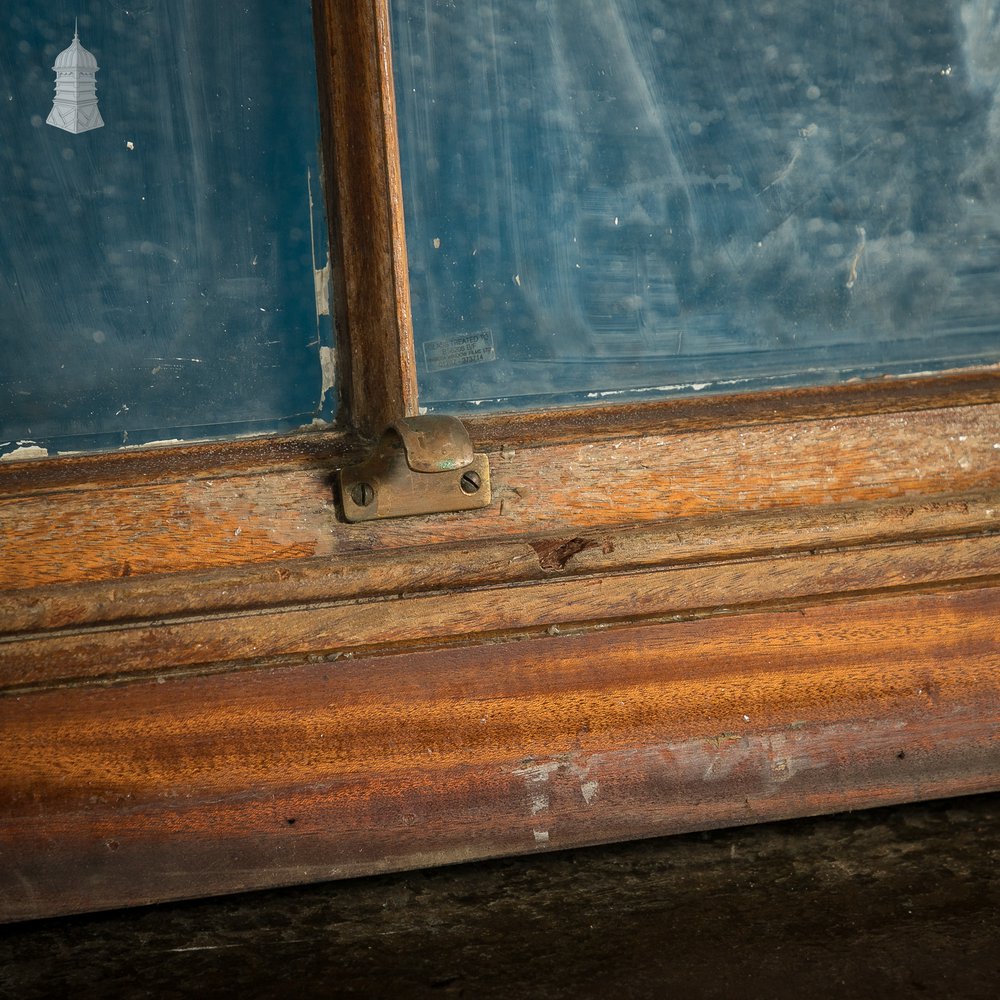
<point>321,284</point>
<point>24,451</point>
<point>537,772</point>
<point>539,802</point>
<point>164,443</point>
<point>328,371</point>
<point>322,296</point>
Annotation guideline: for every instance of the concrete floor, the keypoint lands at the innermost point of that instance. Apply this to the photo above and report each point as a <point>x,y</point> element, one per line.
<point>901,902</point>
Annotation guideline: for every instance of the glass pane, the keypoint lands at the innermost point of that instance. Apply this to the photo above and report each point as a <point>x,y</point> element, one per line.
<point>609,198</point>
<point>163,248</point>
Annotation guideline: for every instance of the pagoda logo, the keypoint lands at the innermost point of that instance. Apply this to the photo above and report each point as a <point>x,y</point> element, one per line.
<point>75,106</point>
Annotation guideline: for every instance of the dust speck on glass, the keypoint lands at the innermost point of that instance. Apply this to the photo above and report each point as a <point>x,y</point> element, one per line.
<point>612,199</point>
<point>163,252</point>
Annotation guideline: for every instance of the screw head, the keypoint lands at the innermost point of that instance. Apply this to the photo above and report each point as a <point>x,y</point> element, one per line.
<point>363,494</point>
<point>470,483</point>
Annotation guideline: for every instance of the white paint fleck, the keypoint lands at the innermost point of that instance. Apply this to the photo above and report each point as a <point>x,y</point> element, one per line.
<point>321,287</point>
<point>166,442</point>
<point>536,777</point>
<point>589,790</point>
<point>537,772</point>
<point>539,802</point>
<point>541,836</point>
<point>328,370</point>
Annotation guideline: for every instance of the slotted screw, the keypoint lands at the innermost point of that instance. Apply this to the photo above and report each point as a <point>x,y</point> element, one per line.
<point>363,494</point>
<point>470,483</point>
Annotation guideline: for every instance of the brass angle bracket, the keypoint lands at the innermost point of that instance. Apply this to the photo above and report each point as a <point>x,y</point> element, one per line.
<point>421,465</point>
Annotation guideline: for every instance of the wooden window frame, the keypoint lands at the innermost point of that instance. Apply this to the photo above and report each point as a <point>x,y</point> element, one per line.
<point>673,616</point>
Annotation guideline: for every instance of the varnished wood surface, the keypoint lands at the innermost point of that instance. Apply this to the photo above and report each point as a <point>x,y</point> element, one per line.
<point>510,430</point>
<point>192,785</point>
<point>176,463</point>
<point>198,524</point>
<point>163,732</point>
<point>371,287</point>
<point>711,626</point>
<point>482,614</point>
<point>973,387</point>
<point>749,540</point>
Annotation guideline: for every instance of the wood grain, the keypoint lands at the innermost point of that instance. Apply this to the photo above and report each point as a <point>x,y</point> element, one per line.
<point>452,567</point>
<point>371,286</point>
<point>154,790</point>
<point>193,525</point>
<point>832,554</point>
<point>311,449</point>
<point>597,600</point>
<point>316,448</point>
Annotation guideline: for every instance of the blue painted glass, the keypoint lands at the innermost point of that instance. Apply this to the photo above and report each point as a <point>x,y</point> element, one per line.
<point>614,199</point>
<point>163,246</point>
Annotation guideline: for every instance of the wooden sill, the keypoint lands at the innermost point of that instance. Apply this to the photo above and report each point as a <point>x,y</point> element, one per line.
<point>653,628</point>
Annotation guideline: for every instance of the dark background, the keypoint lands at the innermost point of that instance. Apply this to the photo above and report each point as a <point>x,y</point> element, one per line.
<point>892,903</point>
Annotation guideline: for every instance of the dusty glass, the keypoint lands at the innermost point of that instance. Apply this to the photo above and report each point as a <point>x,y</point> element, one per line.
<point>163,252</point>
<point>610,199</point>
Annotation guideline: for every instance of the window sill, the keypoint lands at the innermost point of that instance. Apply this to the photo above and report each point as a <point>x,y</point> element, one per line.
<point>655,627</point>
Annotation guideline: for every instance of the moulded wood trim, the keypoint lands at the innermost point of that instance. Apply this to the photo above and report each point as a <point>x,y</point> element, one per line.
<point>721,411</point>
<point>188,786</point>
<point>314,449</point>
<point>199,524</point>
<point>537,429</point>
<point>448,568</point>
<point>832,553</point>
<point>248,640</point>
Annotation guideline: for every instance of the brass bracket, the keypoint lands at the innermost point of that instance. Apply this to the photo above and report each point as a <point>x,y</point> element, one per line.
<point>421,465</point>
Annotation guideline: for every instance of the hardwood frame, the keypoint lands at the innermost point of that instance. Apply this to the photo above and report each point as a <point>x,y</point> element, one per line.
<point>673,616</point>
